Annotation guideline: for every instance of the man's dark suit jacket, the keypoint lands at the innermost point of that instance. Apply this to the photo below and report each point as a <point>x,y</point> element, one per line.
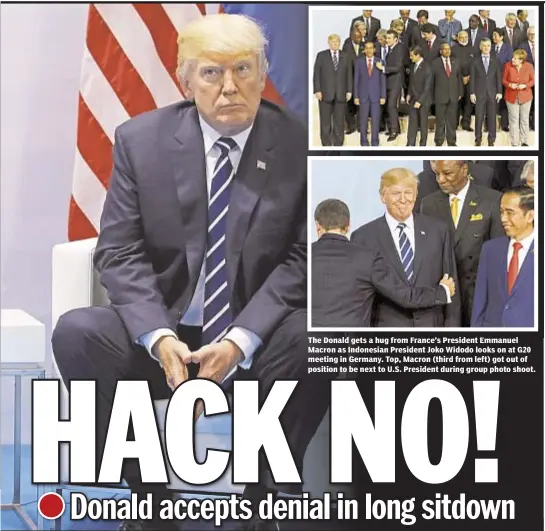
<point>395,68</point>
<point>420,84</point>
<point>481,174</point>
<point>485,85</point>
<point>346,277</point>
<point>518,37</point>
<point>407,34</point>
<point>493,306</point>
<point>445,88</point>
<point>416,35</point>
<point>491,26</point>
<point>333,84</point>
<point>505,55</point>
<point>434,257</point>
<point>374,26</point>
<point>481,34</point>
<point>464,56</point>
<point>479,222</point>
<point>369,88</point>
<point>153,230</point>
<point>528,49</point>
<point>348,49</point>
<point>430,54</point>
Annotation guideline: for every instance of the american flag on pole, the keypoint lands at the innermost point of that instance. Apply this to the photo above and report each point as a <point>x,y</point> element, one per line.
<point>129,67</point>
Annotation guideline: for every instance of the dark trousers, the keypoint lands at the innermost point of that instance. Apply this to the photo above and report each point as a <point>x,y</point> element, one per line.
<point>502,111</point>
<point>352,117</point>
<point>392,98</point>
<point>374,110</point>
<point>445,116</point>
<point>92,343</point>
<point>418,120</point>
<point>465,108</point>
<point>485,105</point>
<point>332,122</point>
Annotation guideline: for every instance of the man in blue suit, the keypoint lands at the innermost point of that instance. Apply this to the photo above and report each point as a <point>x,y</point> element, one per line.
<point>369,93</point>
<point>504,293</point>
<point>202,247</point>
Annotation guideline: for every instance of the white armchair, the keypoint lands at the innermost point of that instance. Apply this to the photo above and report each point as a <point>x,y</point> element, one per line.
<point>76,285</point>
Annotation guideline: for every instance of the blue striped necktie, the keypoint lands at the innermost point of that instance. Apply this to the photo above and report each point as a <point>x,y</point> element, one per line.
<point>217,312</point>
<point>407,255</point>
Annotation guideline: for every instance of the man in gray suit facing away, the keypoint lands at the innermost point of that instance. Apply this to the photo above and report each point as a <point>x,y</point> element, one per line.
<point>417,248</point>
<point>202,247</point>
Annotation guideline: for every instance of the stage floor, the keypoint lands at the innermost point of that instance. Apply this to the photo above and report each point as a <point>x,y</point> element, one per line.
<point>464,139</point>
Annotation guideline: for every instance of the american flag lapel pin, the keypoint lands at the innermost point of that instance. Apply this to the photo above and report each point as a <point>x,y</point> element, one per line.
<point>261,165</point>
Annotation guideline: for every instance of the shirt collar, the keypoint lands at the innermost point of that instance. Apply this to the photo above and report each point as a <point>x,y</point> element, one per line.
<point>418,63</point>
<point>210,136</point>
<point>526,242</point>
<point>393,223</point>
<point>461,195</point>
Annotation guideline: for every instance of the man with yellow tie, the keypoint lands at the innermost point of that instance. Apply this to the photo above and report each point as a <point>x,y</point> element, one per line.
<point>473,213</point>
<point>504,294</point>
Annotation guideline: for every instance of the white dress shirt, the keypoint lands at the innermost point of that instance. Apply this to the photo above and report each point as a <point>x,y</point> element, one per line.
<point>523,251</point>
<point>409,231</point>
<point>461,195</point>
<point>246,340</point>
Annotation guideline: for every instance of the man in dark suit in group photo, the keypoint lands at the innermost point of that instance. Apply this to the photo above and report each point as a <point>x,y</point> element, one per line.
<point>486,89</point>
<point>417,248</point>
<point>504,293</point>
<point>394,68</point>
<point>473,214</point>
<point>448,90</point>
<point>369,94</point>
<point>202,248</point>
<point>463,53</point>
<point>346,276</point>
<point>333,80</point>
<point>371,23</point>
<point>419,98</point>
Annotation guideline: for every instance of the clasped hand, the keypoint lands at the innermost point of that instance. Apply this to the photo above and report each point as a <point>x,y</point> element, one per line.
<point>215,361</point>
<point>449,283</point>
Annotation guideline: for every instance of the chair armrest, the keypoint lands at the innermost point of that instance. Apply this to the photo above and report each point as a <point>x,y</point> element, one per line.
<point>75,283</point>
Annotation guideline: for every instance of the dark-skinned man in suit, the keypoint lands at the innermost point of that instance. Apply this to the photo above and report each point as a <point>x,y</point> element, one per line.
<point>202,247</point>
<point>473,215</point>
<point>346,277</point>
<point>416,247</point>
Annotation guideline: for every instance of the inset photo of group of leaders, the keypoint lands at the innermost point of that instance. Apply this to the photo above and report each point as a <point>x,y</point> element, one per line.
<point>437,77</point>
<point>406,242</point>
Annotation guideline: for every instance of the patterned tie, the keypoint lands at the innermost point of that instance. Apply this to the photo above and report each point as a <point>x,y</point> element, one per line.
<point>217,313</point>
<point>447,67</point>
<point>511,36</point>
<point>369,66</point>
<point>454,210</point>
<point>513,270</point>
<point>335,61</point>
<point>485,62</point>
<point>407,255</point>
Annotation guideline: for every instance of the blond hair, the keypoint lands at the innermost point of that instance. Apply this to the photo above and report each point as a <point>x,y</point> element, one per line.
<point>397,25</point>
<point>334,37</point>
<point>223,34</point>
<point>520,54</point>
<point>397,176</point>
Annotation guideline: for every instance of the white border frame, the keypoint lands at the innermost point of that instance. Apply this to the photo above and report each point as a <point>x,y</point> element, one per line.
<point>399,159</point>
<point>368,149</point>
